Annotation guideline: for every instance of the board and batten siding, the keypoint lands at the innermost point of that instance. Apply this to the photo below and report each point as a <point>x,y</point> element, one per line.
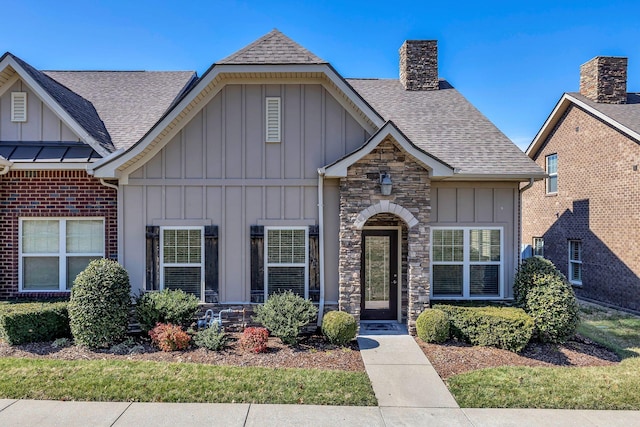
<point>219,170</point>
<point>42,123</point>
<point>469,204</point>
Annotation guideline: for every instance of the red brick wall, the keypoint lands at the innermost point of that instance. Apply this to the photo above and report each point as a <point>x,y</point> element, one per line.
<point>598,201</point>
<point>49,194</point>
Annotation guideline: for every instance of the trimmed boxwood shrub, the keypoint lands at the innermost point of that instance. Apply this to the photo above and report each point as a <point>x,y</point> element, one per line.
<point>168,306</point>
<point>503,327</point>
<point>546,295</point>
<point>21,323</point>
<point>433,326</point>
<point>284,314</point>
<point>99,304</point>
<point>339,327</point>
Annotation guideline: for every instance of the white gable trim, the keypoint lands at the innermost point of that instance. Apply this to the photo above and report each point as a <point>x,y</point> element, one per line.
<point>556,115</point>
<point>119,166</point>
<point>52,104</point>
<point>435,166</point>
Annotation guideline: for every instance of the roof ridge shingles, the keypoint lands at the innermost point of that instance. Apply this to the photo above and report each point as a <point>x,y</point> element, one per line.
<point>273,48</point>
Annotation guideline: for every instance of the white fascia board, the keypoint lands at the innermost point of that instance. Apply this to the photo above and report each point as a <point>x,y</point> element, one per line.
<point>53,104</point>
<point>60,166</point>
<point>496,177</point>
<point>339,169</point>
<point>95,165</point>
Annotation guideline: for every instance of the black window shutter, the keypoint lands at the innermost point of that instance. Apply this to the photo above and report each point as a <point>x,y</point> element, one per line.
<point>211,263</point>
<point>314,263</point>
<point>153,258</point>
<point>257,263</point>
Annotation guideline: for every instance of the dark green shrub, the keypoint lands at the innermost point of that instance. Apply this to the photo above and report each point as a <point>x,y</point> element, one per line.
<point>168,306</point>
<point>546,295</point>
<point>99,304</point>
<point>433,326</point>
<point>213,338</point>
<point>339,327</point>
<point>284,314</point>
<point>503,327</point>
<point>553,307</point>
<point>33,322</point>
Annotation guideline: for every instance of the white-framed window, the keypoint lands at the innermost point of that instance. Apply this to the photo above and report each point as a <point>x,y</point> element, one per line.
<point>182,259</point>
<point>538,246</point>
<point>552,170</point>
<point>54,250</point>
<point>273,119</point>
<point>575,262</point>
<point>286,260</point>
<point>18,106</point>
<point>466,262</point>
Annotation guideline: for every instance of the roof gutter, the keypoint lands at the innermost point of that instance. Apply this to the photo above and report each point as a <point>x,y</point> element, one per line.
<point>6,165</point>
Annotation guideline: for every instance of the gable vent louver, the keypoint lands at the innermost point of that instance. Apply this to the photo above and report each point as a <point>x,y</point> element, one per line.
<point>273,119</point>
<point>19,106</point>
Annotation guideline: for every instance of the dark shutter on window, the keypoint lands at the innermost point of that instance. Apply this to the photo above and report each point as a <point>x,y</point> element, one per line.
<point>257,263</point>
<point>153,258</point>
<point>314,263</point>
<point>211,263</point>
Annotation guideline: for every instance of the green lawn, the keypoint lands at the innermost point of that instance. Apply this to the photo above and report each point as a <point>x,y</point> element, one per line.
<point>111,380</point>
<point>611,387</point>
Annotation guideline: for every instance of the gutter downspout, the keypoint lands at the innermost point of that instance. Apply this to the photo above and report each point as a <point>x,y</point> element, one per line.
<point>520,191</point>
<point>6,165</point>
<point>106,184</point>
<point>321,241</point>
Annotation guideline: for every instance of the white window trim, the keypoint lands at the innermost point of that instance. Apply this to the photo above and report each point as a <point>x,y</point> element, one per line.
<point>268,264</point>
<point>554,174</point>
<point>182,264</point>
<point>278,127</point>
<point>15,97</point>
<point>467,263</point>
<point>534,247</point>
<point>572,262</point>
<point>62,253</point>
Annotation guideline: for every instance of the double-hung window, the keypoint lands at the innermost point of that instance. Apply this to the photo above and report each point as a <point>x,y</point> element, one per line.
<point>286,260</point>
<point>538,246</point>
<point>552,171</point>
<point>466,262</point>
<point>54,250</point>
<point>575,262</point>
<point>182,266</point>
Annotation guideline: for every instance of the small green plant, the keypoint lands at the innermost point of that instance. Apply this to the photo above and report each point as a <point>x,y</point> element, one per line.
<point>255,339</point>
<point>339,327</point>
<point>124,347</point>
<point>168,337</point>
<point>284,314</point>
<point>61,343</point>
<point>433,326</point>
<point>99,304</point>
<point>167,306</point>
<point>213,338</point>
<point>21,323</point>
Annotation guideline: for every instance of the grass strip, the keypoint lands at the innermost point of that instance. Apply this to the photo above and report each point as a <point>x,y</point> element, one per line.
<point>611,387</point>
<point>101,380</point>
<point>613,329</point>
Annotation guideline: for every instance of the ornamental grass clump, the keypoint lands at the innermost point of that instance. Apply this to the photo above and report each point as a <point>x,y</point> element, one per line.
<point>339,327</point>
<point>167,306</point>
<point>285,314</point>
<point>432,326</point>
<point>99,304</point>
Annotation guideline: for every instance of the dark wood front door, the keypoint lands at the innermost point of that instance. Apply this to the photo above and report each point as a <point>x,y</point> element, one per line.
<point>379,275</point>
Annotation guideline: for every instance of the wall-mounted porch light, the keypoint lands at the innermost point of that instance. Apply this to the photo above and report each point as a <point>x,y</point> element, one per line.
<point>385,183</point>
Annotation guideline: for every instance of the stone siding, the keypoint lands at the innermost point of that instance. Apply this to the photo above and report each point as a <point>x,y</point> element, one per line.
<point>360,199</point>
<point>604,79</point>
<point>419,65</point>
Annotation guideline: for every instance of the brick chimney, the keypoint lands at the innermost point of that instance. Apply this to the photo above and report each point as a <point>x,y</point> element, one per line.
<point>419,65</point>
<point>604,79</point>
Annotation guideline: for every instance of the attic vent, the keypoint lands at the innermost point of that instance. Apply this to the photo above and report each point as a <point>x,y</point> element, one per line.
<point>273,119</point>
<point>19,106</point>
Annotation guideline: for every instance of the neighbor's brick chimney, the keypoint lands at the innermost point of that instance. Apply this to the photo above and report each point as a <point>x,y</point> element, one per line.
<point>604,79</point>
<point>419,65</point>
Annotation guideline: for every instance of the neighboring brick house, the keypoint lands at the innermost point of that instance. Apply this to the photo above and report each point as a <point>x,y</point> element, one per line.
<point>585,217</point>
<point>271,172</point>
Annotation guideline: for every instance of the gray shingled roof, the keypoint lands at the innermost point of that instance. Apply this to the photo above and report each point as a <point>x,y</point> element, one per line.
<point>129,102</point>
<point>79,108</point>
<point>446,125</point>
<point>273,48</point>
<point>626,114</point>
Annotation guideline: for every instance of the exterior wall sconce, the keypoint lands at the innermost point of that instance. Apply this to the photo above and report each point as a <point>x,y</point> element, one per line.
<point>385,183</point>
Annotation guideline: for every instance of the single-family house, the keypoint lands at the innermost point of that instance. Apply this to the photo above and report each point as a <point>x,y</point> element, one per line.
<point>585,217</point>
<point>269,172</point>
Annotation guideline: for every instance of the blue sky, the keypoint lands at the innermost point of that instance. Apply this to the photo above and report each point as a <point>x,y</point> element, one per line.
<point>512,60</point>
